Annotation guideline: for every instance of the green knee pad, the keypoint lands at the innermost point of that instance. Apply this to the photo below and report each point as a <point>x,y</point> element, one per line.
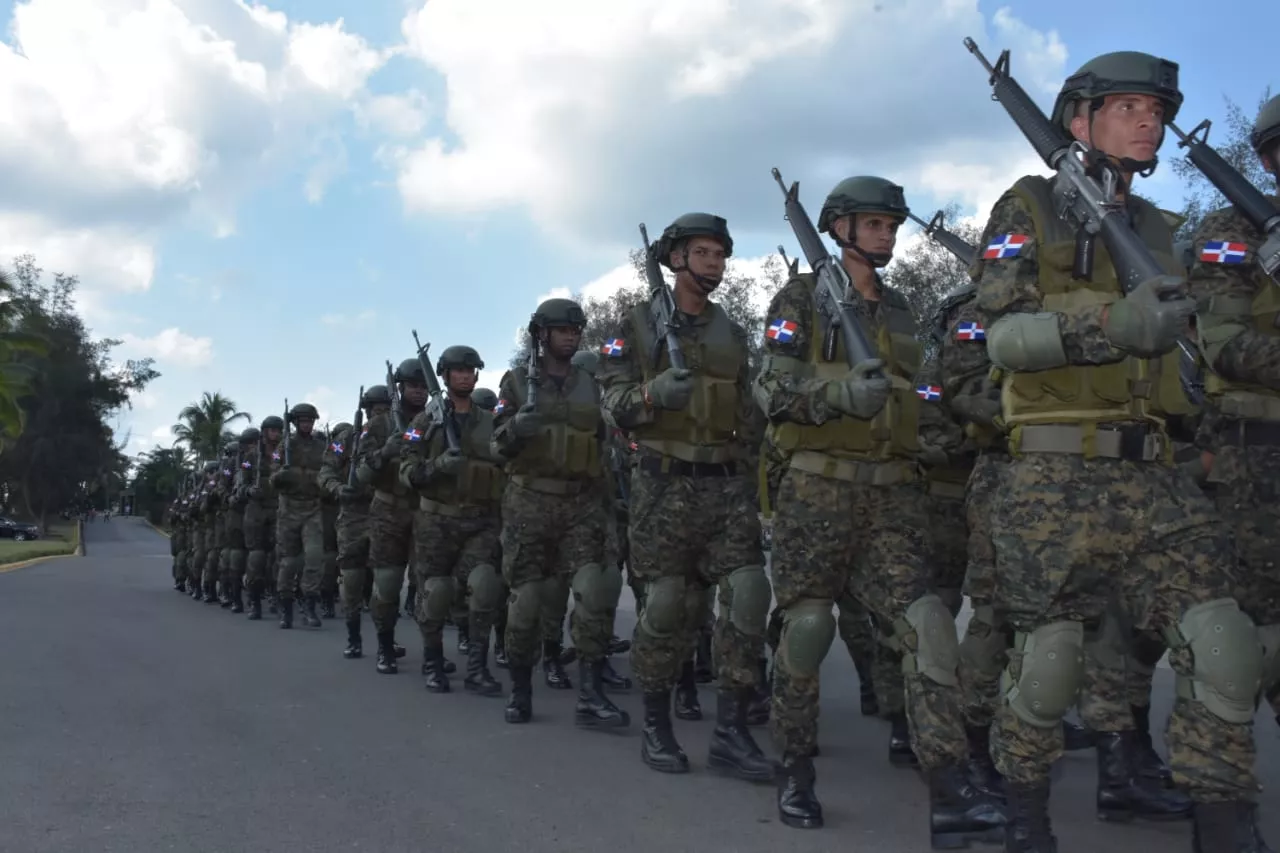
<point>386,585</point>
<point>937,650</point>
<point>664,608</point>
<point>749,598</point>
<point>984,646</point>
<point>1052,669</point>
<point>808,629</point>
<point>525,607</point>
<point>1226,659</point>
<point>597,588</point>
<point>238,559</point>
<point>486,588</point>
<point>437,597</point>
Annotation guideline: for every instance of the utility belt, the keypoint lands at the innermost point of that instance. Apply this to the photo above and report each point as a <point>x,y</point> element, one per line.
<point>1134,442</point>
<point>890,472</point>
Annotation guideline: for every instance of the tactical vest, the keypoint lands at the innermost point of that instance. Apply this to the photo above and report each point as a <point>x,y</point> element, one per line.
<point>1131,389</point>
<point>481,481</point>
<point>1244,400</point>
<point>892,432</point>
<point>568,448</point>
<point>703,431</point>
<point>387,478</point>
<point>305,455</point>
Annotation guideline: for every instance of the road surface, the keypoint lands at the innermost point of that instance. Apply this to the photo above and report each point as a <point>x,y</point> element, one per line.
<point>133,719</point>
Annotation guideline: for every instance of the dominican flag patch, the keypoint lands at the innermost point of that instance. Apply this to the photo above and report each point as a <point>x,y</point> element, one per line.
<point>970,332</point>
<point>412,435</point>
<point>782,331</point>
<point>246,465</point>
<point>613,347</point>
<point>500,408</point>
<point>275,456</point>
<point>336,447</point>
<point>1223,252</point>
<point>929,392</point>
<point>1005,246</point>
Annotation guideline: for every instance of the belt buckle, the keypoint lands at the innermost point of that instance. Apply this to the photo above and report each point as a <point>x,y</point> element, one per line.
<point>1134,442</point>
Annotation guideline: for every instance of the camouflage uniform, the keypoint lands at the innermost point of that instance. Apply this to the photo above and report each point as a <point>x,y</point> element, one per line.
<point>299,527</point>
<point>178,536</point>
<point>200,522</point>
<point>260,519</point>
<point>329,512</point>
<point>234,551</point>
<point>351,528</point>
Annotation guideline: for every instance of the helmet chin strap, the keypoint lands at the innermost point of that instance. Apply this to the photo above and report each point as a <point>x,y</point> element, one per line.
<point>707,284</point>
<point>1142,168</point>
<point>876,260</point>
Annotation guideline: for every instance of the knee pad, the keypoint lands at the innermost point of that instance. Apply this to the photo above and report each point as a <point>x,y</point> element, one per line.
<point>238,558</point>
<point>1270,637</point>
<point>437,598</point>
<point>257,563</point>
<point>486,588</point>
<point>749,598</point>
<point>808,629</point>
<point>525,607</point>
<point>1226,659</point>
<point>984,647</point>
<point>597,588</point>
<point>387,583</point>
<point>930,630</point>
<point>1052,668</point>
<point>664,607</point>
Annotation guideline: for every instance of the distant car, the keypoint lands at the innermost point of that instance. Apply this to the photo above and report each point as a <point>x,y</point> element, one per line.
<point>18,530</point>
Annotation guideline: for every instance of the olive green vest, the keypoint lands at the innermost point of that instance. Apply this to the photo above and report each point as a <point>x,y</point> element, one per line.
<point>1244,400</point>
<point>568,448</point>
<point>387,478</point>
<point>1131,389</point>
<point>703,431</point>
<point>481,481</point>
<point>892,432</point>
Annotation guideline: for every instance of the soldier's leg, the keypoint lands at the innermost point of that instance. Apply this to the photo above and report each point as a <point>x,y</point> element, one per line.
<point>289,557</point>
<point>526,554</point>
<point>855,629</point>
<point>1146,648</point>
<point>353,563</point>
<point>198,552</point>
<point>209,574</point>
<point>437,551</point>
<point>390,544</point>
<point>313,556</point>
<point>255,540</point>
<point>477,571</point>
<point>273,560</point>
<point>329,561</point>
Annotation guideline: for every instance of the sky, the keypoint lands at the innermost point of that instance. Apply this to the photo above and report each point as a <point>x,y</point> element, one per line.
<point>268,198</point>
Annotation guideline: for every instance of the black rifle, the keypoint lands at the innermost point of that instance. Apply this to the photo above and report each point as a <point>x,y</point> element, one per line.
<point>953,243</point>
<point>531,390</point>
<point>285,438</point>
<point>353,443</point>
<point>439,396</point>
<point>838,300</point>
<point>662,307</point>
<point>397,416</point>
<point>792,266</point>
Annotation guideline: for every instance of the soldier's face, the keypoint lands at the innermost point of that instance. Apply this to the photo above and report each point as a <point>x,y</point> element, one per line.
<point>379,410</point>
<point>706,257</point>
<point>305,425</point>
<point>460,381</point>
<point>873,233</point>
<point>414,393</point>
<point>1126,126</point>
<point>563,341</point>
<point>272,435</point>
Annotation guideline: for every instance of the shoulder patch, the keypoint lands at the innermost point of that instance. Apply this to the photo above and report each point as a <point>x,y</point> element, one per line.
<point>970,332</point>
<point>932,393</point>
<point>336,447</point>
<point>1224,252</point>
<point>1004,246</point>
<point>501,407</point>
<point>781,330</point>
<point>412,434</point>
<point>614,347</point>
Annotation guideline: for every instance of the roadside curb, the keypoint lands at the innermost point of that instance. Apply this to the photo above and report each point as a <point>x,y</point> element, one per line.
<point>148,523</point>
<point>77,550</point>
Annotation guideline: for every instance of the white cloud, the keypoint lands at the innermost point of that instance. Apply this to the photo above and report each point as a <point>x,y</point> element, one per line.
<point>323,398</point>
<point>332,59</point>
<point>589,114</point>
<point>104,258</point>
<point>396,116</point>
<point>162,432</point>
<point>170,346</point>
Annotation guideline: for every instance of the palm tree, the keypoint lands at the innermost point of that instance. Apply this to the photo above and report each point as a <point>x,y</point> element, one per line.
<point>203,426</point>
<point>17,373</point>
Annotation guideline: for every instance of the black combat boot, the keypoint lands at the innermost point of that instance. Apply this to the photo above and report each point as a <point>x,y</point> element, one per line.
<point>982,770</point>
<point>1147,762</point>
<point>210,593</point>
<point>686,701</point>
<point>479,680</point>
<point>959,812</point>
<point>658,745</point>
<point>868,704</point>
<point>500,639</point>
<point>520,704</point>
<point>798,806</point>
<point>1124,795</point>
<point>1230,827</point>
<point>611,678</point>
<point>224,594</point>
<point>387,653</point>
<point>761,696</point>
<point>594,710</point>
<point>273,603</point>
<point>237,596</point>
<point>286,613</point>
<point>326,606</point>
<point>433,669</point>
<point>553,668</point>
<point>255,603</point>
<point>1029,829</point>
<point>309,617</point>
<point>1076,737</point>
<point>464,636</point>
<point>733,751</point>
<point>900,752</point>
<point>703,673</point>
<point>355,646</point>
<point>618,646</point>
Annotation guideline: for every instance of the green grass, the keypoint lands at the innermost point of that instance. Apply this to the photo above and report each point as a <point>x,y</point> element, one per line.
<point>61,539</point>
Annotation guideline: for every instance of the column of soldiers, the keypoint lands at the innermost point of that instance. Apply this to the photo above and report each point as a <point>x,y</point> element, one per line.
<point>1032,446</point>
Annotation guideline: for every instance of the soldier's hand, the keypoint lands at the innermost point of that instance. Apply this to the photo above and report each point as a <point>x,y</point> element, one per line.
<point>859,394</point>
<point>450,462</point>
<point>932,455</point>
<point>277,478</point>
<point>389,450</point>
<point>1149,321</point>
<point>348,494</point>
<point>527,423</point>
<point>671,389</point>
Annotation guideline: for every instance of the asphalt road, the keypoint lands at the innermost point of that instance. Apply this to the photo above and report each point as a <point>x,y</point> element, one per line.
<point>134,720</point>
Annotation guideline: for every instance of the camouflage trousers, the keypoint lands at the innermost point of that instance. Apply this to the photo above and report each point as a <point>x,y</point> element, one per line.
<point>260,542</point>
<point>1119,665</point>
<point>456,547</point>
<point>391,541</point>
<point>213,548</point>
<point>870,657</point>
<point>195,569</point>
<point>687,533</point>
<point>329,512</point>
<point>177,548</point>
<point>234,553</point>
<point>1072,535</point>
<point>984,649</point>
<point>832,539</point>
<point>299,546</point>
<point>353,556</point>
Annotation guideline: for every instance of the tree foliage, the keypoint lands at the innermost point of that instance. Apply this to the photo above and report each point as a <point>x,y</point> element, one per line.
<point>205,425</point>
<point>158,480</point>
<point>926,271</point>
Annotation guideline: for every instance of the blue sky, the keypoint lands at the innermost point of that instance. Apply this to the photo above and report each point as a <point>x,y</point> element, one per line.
<point>268,203</point>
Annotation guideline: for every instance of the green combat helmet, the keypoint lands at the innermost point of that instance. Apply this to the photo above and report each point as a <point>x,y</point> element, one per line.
<point>485,398</point>
<point>587,359</point>
<point>251,435</point>
<point>1125,72</point>
<point>303,410</point>
<point>376,395</point>
<point>341,428</point>
<point>458,356</point>
<point>210,466</point>
<point>271,422</point>
<point>553,313</point>
<point>692,225</point>
<point>230,448</point>
<point>863,194</point>
<point>410,370</point>
<point>1266,129</point>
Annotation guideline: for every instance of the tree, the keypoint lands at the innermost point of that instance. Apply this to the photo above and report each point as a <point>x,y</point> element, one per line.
<point>926,272</point>
<point>159,478</point>
<point>204,426</point>
<point>1202,196</point>
<point>16,374</point>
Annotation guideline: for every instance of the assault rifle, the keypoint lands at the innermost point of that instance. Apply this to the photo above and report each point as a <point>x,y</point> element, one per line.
<point>965,251</point>
<point>438,396</point>
<point>662,307</point>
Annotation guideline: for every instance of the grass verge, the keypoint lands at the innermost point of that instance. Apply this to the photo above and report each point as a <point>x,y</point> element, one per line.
<point>61,540</point>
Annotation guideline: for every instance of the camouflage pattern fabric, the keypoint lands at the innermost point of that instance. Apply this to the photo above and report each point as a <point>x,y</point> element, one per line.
<point>448,546</point>
<point>299,527</point>
<point>391,519</point>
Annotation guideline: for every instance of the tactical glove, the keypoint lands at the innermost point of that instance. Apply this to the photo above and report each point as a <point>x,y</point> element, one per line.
<point>450,462</point>
<point>527,422</point>
<point>858,394</point>
<point>1149,321</point>
<point>389,450</point>
<point>348,494</point>
<point>671,389</point>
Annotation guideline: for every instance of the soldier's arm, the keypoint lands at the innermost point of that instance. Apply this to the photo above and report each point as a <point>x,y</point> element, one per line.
<point>370,461</point>
<point>1023,335</point>
<point>622,379</point>
<point>330,478</point>
<point>1224,294</point>
<point>785,390</point>
<point>505,443</point>
<point>415,449</point>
